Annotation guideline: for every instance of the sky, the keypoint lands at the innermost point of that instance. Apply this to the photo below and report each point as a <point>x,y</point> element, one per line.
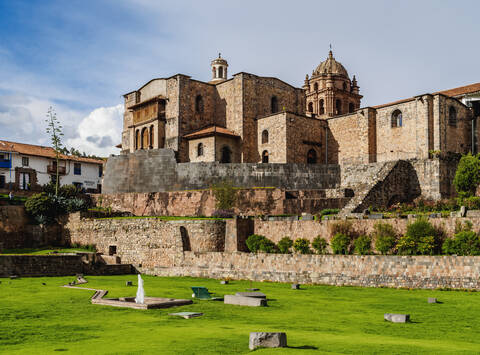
<point>80,57</point>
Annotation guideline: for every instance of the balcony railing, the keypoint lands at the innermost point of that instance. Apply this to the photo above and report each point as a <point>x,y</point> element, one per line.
<point>5,164</point>
<point>52,169</point>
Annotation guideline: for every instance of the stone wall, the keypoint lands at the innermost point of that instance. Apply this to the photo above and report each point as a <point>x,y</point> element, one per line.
<point>157,170</point>
<point>56,265</point>
<point>209,249</point>
<point>250,202</point>
<point>18,231</point>
<point>427,272</point>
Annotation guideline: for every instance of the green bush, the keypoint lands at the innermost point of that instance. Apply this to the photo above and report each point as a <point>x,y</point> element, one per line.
<point>256,243</point>
<point>40,204</point>
<point>284,245</point>
<point>467,176</point>
<point>320,245</point>
<point>465,242</point>
<point>421,238</point>
<point>302,246</point>
<point>385,237</point>
<point>363,245</point>
<point>340,243</point>
<point>472,202</point>
<point>328,212</point>
<point>225,195</point>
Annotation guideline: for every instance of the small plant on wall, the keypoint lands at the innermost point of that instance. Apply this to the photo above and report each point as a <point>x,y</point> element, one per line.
<point>302,246</point>
<point>284,245</point>
<point>320,245</point>
<point>225,196</point>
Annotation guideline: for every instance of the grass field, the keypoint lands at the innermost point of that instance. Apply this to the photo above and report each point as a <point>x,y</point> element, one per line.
<point>42,251</point>
<point>37,319</point>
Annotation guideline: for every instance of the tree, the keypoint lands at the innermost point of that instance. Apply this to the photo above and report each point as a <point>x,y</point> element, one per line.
<point>54,129</point>
<point>467,176</point>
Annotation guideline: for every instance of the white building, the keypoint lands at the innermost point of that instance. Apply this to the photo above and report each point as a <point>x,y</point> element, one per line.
<point>28,167</point>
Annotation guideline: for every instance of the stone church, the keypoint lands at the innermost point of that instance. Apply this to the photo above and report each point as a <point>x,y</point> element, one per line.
<point>254,119</point>
<point>183,134</point>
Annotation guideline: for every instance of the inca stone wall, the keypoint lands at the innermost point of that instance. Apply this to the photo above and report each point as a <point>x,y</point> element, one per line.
<point>56,265</point>
<point>162,248</point>
<point>157,170</point>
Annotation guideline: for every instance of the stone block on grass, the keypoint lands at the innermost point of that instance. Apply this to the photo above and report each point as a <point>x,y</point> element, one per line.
<point>295,286</point>
<point>432,300</point>
<point>252,294</point>
<point>267,340</point>
<point>245,301</point>
<point>397,318</point>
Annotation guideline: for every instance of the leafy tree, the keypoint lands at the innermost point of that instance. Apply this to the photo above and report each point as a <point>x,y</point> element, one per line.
<point>257,242</point>
<point>467,176</point>
<point>54,129</point>
<point>421,238</point>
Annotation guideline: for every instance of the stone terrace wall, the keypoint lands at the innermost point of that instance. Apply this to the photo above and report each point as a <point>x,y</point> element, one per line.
<point>276,230</point>
<point>252,202</point>
<point>369,271</point>
<point>143,240</point>
<point>157,170</point>
<point>16,230</point>
<point>55,265</point>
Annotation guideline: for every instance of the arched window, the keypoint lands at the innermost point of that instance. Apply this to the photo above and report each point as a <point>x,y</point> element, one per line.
<point>344,86</point>
<point>274,104</point>
<point>144,138</point>
<point>226,155</point>
<point>397,119</point>
<point>338,106</point>
<point>199,104</point>
<point>265,157</point>
<point>315,87</point>
<point>452,116</point>
<point>351,107</point>
<point>220,72</point>
<point>151,137</point>
<point>264,137</point>
<point>312,157</point>
<point>321,107</point>
<point>200,149</point>
<point>310,107</point>
<point>137,139</point>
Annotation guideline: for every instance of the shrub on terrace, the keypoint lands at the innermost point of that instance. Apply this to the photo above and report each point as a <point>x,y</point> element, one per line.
<point>302,246</point>
<point>284,245</point>
<point>320,245</point>
<point>385,237</point>
<point>363,245</point>
<point>340,243</point>
<point>467,176</point>
<point>421,238</point>
<point>256,243</point>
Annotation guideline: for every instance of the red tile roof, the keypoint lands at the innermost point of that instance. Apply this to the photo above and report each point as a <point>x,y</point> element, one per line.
<point>462,90</point>
<point>212,131</point>
<point>41,151</point>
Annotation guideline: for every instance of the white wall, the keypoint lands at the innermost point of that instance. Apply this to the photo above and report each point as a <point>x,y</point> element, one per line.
<point>89,177</point>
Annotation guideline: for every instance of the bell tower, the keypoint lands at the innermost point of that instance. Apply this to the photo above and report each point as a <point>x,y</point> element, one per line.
<point>219,70</point>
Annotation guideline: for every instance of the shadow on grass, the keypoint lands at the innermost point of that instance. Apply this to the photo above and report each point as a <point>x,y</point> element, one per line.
<point>303,347</point>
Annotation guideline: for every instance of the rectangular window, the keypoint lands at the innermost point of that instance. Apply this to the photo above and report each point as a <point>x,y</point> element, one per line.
<point>2,181</point>
<point>25,161</point>
<point>77,169</point>
<point>100,170</point>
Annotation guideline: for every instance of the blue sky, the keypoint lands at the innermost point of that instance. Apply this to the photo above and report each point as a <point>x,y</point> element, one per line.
<point>81,56</point>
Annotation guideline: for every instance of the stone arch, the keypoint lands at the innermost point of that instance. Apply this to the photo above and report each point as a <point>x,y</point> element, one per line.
<point>151,138</point>
<point>321,107</point>
<point>137,139</point>
<point>264,136</point>
<point>144,138</point>
<point>315,87</point>
<point>265,157</point>
<point>199,104</point>
<point>351,107</point>
<point>397,119</point>
<point>338,106</point>
<point>200,149</point>
<point>310,107</point>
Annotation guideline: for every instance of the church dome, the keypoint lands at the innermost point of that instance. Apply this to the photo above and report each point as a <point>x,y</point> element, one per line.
<point>331,66</point>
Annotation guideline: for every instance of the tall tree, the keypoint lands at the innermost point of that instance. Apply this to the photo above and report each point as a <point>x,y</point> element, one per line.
<point>54,129</point>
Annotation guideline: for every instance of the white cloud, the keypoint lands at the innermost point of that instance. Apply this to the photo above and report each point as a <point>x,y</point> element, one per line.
<point>99,131</point>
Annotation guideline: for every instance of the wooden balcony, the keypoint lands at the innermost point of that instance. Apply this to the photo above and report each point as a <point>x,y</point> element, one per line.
<point>52,169</point>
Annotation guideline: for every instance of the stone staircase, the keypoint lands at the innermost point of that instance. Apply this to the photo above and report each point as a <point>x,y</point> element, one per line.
<point>379,184</point>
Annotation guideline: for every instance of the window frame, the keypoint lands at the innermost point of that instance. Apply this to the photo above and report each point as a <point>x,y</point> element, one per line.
<point>77,169</point>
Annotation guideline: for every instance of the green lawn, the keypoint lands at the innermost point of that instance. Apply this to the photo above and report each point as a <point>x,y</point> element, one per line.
<point>36,318</point>
<point>42,251</point>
